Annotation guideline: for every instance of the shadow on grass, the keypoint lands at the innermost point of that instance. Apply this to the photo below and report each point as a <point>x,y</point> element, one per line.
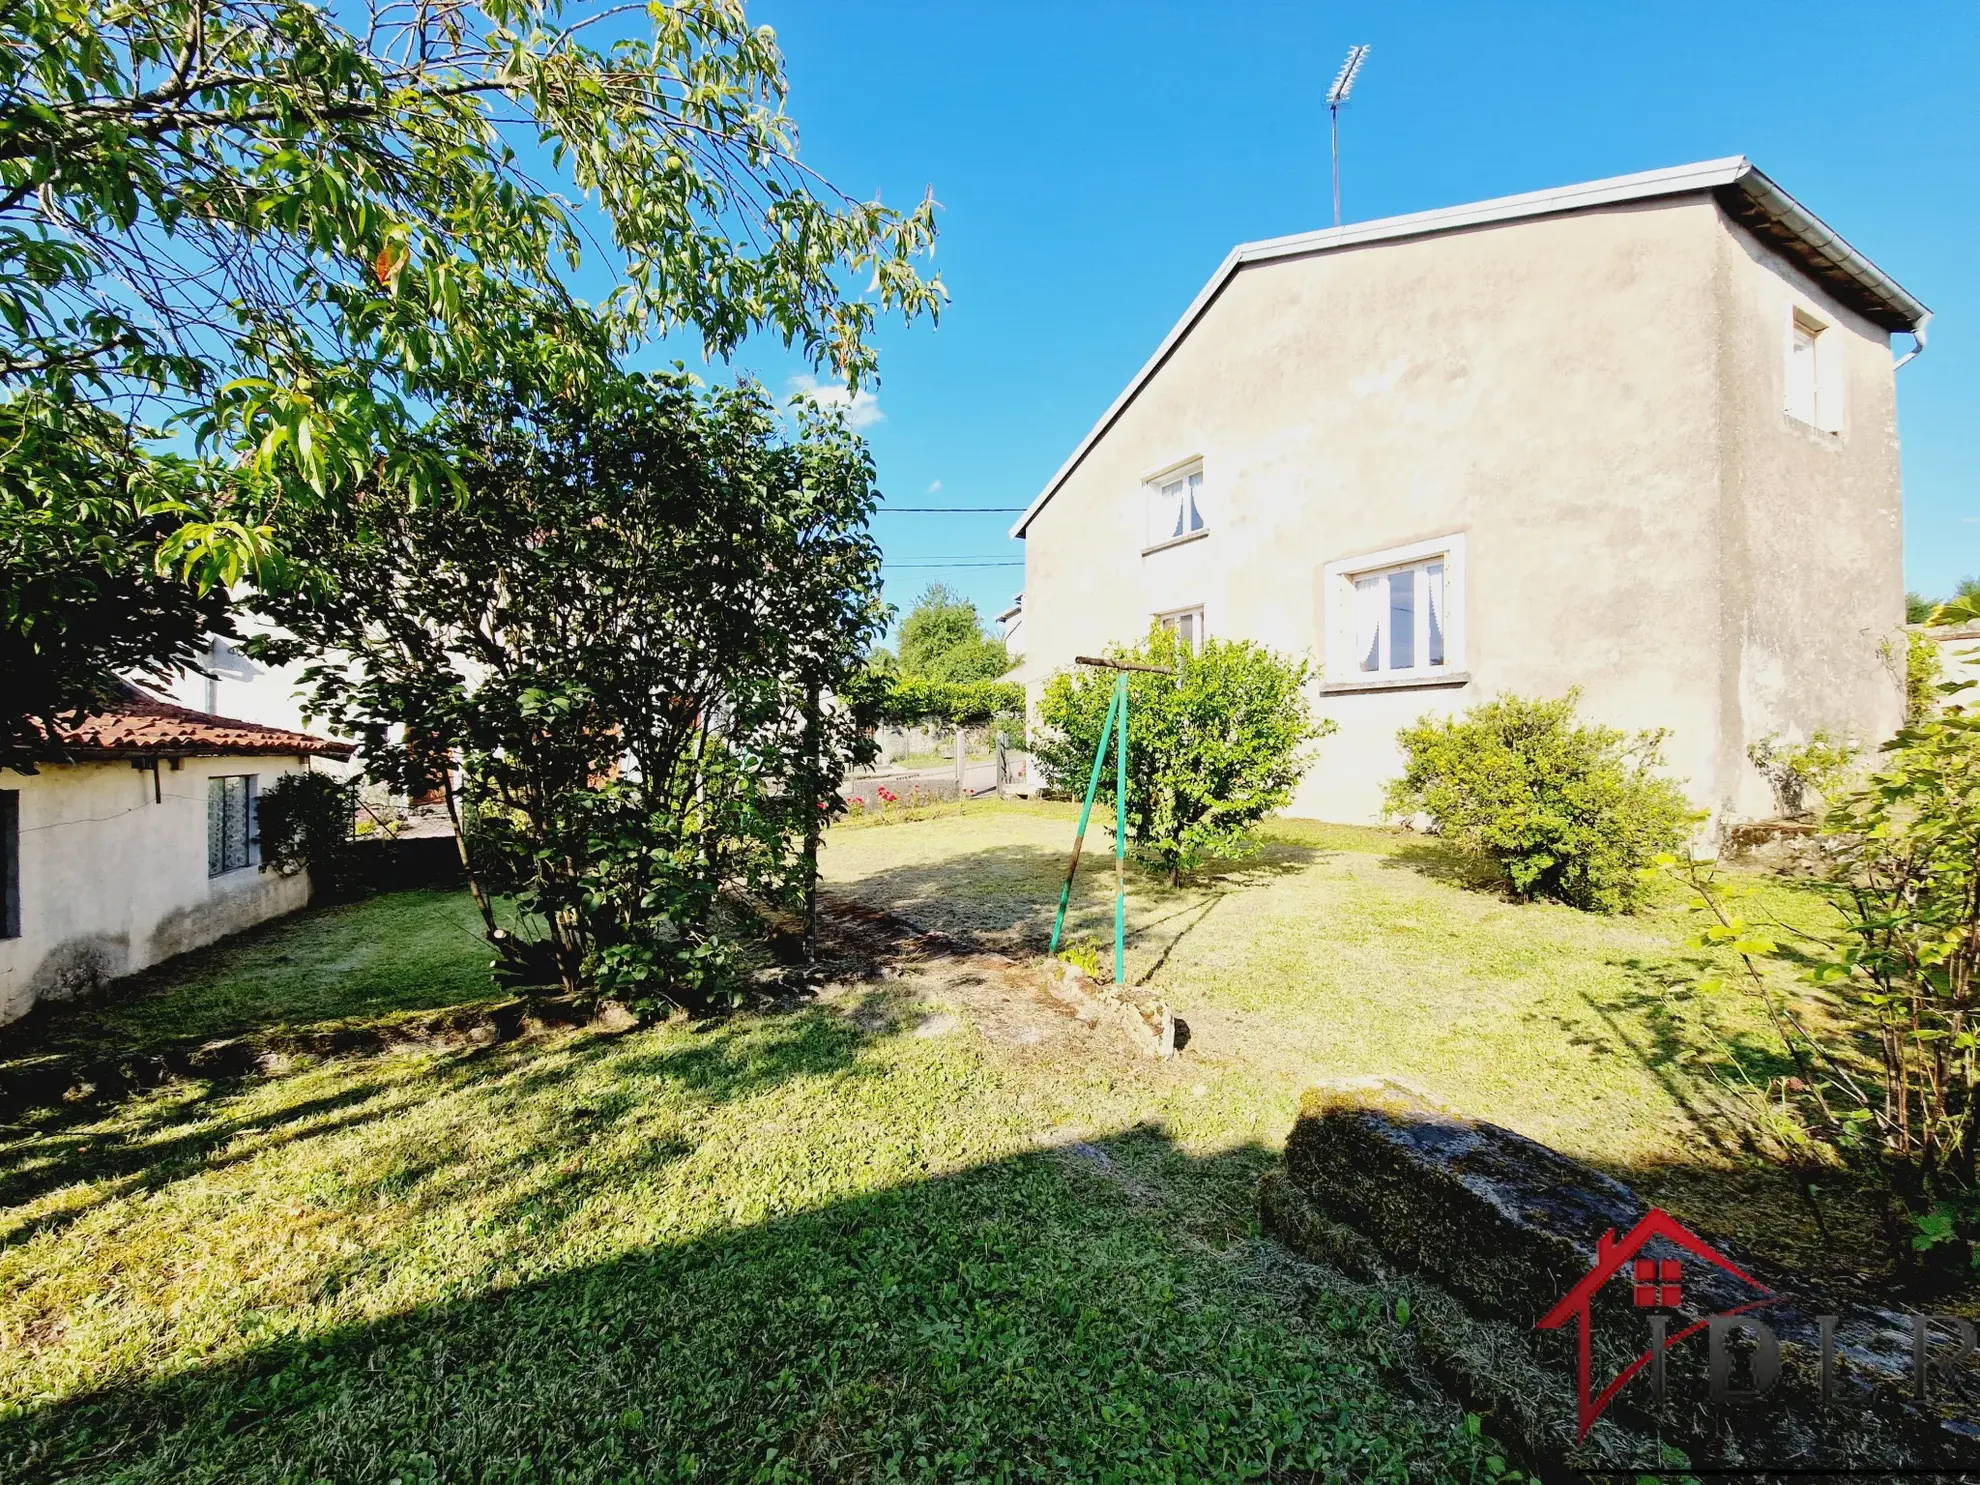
<point>149,1146</point>
<point>1007,895</point>
<point>1095,1310</point>
<point>1805,1211</point>
<point>388,955</point>
<point>1443,863</point>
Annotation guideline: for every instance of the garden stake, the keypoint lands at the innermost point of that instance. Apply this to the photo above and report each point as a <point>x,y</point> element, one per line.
<point>1119,704</point>
<point>1120,838</point>
<point>1086,810</point>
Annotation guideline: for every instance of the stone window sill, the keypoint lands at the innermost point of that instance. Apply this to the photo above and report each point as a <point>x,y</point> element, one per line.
<point>1176,541</point>
<point>1426,682</point>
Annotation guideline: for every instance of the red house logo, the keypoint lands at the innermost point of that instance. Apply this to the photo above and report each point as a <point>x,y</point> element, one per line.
<point>1656,1283</point>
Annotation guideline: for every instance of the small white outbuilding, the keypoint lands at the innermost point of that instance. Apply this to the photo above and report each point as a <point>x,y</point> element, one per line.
<point>135,839</point>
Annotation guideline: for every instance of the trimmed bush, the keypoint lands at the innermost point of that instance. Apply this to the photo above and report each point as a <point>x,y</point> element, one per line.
<point>1563,811</point>
<point>1212,749</point>
<point>912,699</point>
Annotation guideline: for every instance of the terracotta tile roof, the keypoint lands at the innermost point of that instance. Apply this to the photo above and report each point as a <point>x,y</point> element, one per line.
<point>137,724</point>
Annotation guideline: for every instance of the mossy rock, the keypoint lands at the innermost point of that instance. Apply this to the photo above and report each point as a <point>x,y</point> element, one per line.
<point>1382,1182</point>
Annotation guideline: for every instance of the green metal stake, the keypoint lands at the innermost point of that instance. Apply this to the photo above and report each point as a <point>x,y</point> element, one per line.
<point>1120,836</point>
<point>1092,788</point>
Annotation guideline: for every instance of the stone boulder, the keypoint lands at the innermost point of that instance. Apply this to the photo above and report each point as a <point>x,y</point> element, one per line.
<point>1491,1231</point>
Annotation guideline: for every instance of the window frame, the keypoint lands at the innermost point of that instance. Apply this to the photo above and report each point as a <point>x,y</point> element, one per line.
<point>1152,488</point>
<point>219,861</point>
<point>1173,617</point>
<point>1342,651</point>
<point>1824,410</point>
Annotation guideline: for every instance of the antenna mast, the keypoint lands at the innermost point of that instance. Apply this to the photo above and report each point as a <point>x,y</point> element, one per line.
<point>1336,96</point>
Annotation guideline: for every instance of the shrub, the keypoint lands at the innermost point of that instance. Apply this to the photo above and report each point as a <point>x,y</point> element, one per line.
<point>1900,973</point>
<point>306,822</point>
<point>1212,748</point>
<point>1563,811</point>
<point>1920,663</point>
<point>1822,764</point>
<point>642,635</point>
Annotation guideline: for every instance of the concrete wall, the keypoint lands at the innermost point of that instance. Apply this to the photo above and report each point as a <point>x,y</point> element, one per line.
<point>113,880</point>
<point>1959,660</point>
<point>1556,390</point>
<point>1812,577</point>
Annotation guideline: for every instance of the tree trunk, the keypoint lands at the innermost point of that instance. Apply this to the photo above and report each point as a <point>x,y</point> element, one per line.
<point>813,809</point>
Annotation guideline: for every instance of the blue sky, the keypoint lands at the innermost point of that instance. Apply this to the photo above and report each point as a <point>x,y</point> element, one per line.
<point>1096,161</point>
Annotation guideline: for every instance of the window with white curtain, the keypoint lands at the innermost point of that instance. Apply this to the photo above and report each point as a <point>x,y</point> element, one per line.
<point>1175,506</point>
<point>1396,617</point>
<point>1399,618</point>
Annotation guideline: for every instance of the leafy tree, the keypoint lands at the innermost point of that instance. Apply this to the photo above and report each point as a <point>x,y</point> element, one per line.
<point>1918,609</point>
<point>1560,810</point>
<point>911,699</point>
<point>1213,747</point>
<point>943,639</point>
<point>86,521</point>
<point>637,633</point>
<point>302,226</point>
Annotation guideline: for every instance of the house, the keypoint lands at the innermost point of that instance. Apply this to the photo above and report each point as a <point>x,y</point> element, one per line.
<point>1011,621</point>
<point>134,840</point>
<point>1637,437</point>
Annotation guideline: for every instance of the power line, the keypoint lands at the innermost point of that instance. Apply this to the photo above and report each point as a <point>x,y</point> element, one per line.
<point>950,510</point>
<point>967,562</point>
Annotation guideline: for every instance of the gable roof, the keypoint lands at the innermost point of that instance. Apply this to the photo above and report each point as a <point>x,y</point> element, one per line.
<point>139,725</point>
<point>1747,196</point>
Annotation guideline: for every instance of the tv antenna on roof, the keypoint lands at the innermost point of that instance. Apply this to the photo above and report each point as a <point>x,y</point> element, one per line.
<point>1336,96</point>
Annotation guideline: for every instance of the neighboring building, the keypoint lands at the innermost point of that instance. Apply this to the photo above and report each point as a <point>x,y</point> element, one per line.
<point>1012,620</point>
<point>1959,660</point>
<point>136,840</point>
<point>229,684</point>
<point>1637,437</point>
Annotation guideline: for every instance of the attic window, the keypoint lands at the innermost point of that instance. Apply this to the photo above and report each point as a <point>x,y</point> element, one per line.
<point>1814,394</point>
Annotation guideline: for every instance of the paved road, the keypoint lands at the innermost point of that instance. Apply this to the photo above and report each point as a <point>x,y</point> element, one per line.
<point>978,777</point>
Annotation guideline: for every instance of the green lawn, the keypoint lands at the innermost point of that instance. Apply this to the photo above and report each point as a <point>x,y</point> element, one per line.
<point>926,1226</point>
<point>856,1239</point>
<point>1341,952</point>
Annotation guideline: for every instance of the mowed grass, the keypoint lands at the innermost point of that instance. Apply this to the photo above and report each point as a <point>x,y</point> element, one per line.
<point>368,963</point>
<point>852,1239</point>
<point>1339,952</point>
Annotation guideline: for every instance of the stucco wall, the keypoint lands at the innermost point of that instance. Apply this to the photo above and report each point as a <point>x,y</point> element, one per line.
<point>1813,571</point>
<point>112,881</point>
<point>1550,388</point>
